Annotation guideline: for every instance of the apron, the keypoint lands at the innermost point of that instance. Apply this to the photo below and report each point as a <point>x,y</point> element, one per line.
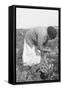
<point>29,55</point>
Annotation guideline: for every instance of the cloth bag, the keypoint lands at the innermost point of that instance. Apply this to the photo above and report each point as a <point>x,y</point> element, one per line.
<point>29,55</point>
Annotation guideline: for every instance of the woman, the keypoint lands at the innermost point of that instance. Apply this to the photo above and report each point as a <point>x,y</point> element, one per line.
<point>34,41</point>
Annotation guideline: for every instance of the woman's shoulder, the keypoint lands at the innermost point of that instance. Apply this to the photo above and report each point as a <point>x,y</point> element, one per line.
<point>37,30</point>
<point>41,31</point>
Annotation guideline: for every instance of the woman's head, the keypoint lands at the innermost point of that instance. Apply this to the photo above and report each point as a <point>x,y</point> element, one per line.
<point>52,32</point>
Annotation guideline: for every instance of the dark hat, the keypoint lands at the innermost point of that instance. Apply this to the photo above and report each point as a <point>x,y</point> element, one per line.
<point>52,32</point>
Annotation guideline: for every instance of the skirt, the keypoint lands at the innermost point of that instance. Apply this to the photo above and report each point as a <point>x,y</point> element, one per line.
<point>29,55</point>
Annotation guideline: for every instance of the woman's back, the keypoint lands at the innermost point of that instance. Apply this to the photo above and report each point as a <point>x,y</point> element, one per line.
<point>36,36</point>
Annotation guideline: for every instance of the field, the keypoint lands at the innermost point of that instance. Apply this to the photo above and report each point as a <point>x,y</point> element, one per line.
<point>46,70</point>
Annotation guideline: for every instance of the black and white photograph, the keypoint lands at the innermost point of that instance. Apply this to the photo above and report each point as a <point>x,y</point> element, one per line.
<point>37,45</point>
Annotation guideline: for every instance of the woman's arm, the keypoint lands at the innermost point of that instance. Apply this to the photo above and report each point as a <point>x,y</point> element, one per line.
<point>28,39</point>
<point>37,51</point>
<point>29,43</point>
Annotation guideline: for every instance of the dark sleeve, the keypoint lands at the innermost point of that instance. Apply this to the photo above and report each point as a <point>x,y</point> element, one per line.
<point>45,41</point>
<point>35,39</point>
<point>42,41</point>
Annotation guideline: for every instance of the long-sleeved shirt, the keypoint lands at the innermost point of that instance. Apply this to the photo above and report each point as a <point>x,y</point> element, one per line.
<point>36,36</point>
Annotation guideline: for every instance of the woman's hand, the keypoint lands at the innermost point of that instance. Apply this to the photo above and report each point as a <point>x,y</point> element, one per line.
<point>37,51</point>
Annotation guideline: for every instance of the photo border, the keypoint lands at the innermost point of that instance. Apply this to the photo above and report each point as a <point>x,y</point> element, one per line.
<point>14,42</point>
